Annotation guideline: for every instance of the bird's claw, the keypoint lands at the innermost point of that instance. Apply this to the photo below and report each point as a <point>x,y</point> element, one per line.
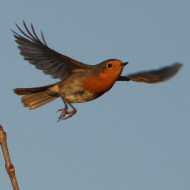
<point>65,112</point>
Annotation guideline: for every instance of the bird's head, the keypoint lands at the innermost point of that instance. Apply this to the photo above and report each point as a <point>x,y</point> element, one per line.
<point>111,68</point>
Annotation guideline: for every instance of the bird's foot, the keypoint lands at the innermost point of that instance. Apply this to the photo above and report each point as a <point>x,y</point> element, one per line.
<point>65,112</point>
<point>71,113</point>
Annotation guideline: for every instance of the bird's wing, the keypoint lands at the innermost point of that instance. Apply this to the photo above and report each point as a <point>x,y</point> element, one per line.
<point>44,58</point>
<point>153,76</point>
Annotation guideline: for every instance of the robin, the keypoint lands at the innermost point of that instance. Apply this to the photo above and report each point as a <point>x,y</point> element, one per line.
<point>79,82</point>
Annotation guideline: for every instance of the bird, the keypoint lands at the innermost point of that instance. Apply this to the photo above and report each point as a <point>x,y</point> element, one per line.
<point>79,82</point>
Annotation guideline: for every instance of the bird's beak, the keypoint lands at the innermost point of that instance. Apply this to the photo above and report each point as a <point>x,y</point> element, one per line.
<point>125,63</point>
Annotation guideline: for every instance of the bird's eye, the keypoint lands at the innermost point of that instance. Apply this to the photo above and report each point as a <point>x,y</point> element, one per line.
<point>109,65</point>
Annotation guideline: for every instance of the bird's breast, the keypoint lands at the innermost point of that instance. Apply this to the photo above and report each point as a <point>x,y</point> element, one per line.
<point>98,85</point>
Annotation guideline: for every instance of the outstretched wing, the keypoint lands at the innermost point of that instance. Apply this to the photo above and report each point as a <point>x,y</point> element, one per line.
<point>153,76</point>
<point>44,58</point>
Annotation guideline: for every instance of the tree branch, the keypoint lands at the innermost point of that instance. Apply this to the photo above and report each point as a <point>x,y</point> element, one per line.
<point>8,165</point>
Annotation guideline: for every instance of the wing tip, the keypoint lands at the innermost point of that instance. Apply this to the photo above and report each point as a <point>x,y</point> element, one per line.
<point>175,69</point>
<point>178,65</point>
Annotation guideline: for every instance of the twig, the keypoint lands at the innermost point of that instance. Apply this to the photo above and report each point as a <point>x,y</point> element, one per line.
<point>8,165</point>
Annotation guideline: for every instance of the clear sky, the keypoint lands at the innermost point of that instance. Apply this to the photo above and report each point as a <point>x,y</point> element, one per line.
<point>136,136</point>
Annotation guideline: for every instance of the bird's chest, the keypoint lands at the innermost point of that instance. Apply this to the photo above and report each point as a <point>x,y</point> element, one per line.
<point>97,85</point>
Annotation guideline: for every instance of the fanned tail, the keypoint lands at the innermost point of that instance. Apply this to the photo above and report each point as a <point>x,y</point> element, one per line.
<point>36,97</point>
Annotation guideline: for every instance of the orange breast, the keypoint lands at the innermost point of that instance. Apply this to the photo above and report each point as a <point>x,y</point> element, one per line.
<point>99,85</point>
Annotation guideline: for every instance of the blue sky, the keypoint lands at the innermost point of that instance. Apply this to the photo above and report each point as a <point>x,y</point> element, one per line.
<point>136,136</point>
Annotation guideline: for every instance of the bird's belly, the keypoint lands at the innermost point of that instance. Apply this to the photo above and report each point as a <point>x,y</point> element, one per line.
<point>79,96</point>
<point>73,91</point>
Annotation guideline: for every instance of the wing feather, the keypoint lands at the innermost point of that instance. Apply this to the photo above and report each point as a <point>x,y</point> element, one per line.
<point>38,53</point>
<point>153,76</point>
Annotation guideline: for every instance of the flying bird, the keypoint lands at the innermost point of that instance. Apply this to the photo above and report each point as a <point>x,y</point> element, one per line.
<point>79,82</point>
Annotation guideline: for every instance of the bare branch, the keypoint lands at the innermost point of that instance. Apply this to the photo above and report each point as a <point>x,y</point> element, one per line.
<point>8,165</point>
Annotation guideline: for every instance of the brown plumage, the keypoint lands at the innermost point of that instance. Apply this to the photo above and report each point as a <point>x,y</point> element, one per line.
<point>36,97</point>
<point>79,82</point>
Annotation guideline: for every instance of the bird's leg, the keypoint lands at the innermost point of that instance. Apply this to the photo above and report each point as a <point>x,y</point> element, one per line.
<point>72,112</point>
<point>65,112</point>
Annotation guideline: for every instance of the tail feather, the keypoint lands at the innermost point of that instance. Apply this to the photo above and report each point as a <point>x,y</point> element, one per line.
<point>36,97</point>
<point>36,100</point>
<point>25,91</point>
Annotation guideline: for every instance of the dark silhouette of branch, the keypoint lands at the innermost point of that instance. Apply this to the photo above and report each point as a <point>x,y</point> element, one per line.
<point>8,165</point>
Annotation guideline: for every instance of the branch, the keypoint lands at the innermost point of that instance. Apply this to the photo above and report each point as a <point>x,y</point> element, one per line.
<point>8,165</point>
